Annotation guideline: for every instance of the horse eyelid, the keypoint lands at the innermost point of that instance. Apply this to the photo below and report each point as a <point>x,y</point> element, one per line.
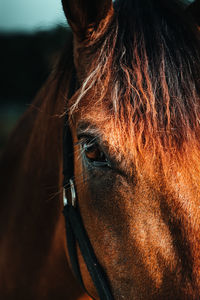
<point>86,136</point>
<point>91,141</point>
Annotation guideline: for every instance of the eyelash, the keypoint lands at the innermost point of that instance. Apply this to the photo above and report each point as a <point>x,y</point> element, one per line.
<point>89,144</point>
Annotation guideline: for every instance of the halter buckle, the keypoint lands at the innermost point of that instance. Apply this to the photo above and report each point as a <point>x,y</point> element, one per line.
<point>73,194</point>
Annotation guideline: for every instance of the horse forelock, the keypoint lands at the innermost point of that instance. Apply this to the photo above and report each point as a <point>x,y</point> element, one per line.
<point>145,70</point>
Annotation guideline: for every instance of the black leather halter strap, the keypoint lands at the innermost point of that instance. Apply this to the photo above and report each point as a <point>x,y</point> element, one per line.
<point>75,231</point>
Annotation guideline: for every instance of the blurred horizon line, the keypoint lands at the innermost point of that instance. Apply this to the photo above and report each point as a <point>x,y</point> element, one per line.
<point>37,29</point>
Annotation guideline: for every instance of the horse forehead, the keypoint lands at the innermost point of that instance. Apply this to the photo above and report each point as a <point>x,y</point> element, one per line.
<point>107,126</point>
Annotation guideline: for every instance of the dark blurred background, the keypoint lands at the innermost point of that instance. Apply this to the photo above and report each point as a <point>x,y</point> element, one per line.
<point>32,34</point>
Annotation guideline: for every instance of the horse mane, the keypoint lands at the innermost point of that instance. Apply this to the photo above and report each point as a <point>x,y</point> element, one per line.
<point>147,68</point>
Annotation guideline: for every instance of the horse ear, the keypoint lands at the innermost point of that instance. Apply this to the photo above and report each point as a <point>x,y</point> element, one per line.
<point>88,16</point>
<point>194,10</point>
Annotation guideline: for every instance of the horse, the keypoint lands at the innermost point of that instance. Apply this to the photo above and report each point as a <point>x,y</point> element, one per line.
<point>126,91</point>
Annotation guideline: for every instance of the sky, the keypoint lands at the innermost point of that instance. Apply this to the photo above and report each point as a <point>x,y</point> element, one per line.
<point>30,15</point>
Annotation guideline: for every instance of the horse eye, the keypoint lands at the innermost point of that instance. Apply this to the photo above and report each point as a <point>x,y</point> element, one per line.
<point>94,154</point>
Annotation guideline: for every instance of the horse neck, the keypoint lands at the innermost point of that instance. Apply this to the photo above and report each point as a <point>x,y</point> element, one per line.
<point>30,187</point>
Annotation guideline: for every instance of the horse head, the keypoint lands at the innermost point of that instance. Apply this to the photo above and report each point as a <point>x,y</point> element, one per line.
<point>134,119</point>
